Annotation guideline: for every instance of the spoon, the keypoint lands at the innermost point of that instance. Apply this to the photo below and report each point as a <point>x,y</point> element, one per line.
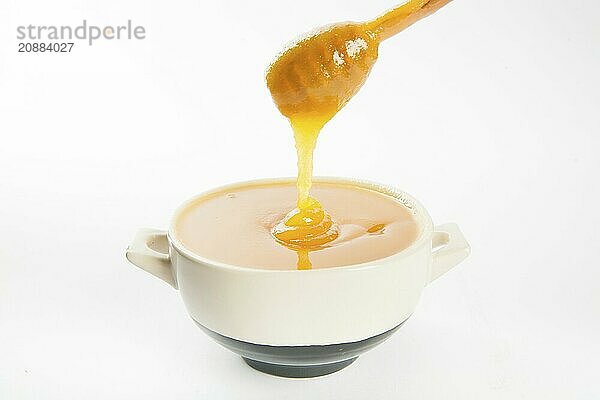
<point>312,79</point>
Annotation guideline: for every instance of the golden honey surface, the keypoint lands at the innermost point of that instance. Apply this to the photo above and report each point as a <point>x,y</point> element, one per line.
<point>234,226</point>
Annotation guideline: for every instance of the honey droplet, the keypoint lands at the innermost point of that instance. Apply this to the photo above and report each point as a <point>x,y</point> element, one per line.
<point>376,228</point>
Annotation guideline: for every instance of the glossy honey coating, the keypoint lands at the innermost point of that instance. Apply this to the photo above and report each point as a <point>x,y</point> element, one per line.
<point>318,75</point>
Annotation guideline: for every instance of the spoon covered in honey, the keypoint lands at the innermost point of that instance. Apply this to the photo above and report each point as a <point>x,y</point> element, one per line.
<point>316,76</point>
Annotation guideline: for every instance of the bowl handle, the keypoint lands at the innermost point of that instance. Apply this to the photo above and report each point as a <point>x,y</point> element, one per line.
<point>450,248</point>
<point>150,251</point>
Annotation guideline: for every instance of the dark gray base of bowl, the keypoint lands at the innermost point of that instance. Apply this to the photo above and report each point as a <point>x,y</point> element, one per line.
<point>298,371</point>
<point>299,361</point>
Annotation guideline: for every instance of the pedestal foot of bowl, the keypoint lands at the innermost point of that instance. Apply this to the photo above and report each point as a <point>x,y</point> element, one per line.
<point>298,371</point>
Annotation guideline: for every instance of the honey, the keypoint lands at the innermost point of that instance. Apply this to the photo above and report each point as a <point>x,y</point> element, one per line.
<point>234,226</point>
<point>310,82</point>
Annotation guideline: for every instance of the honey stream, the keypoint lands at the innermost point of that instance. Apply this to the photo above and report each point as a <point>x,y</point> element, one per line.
<point>310,82</point>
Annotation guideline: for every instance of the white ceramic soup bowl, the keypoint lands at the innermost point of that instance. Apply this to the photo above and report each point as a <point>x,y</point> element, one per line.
<point>302,323</point>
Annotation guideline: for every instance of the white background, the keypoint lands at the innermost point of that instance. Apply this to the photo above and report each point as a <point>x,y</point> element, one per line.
<point>488,112</point>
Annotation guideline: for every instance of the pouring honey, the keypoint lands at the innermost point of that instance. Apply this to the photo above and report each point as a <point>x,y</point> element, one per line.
<point>310,82</point>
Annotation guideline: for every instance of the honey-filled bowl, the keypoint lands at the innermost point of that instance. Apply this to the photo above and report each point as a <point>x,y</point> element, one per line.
<point>302,323</point>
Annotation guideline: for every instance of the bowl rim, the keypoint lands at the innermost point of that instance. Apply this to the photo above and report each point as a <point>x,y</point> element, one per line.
<point>422,217</point>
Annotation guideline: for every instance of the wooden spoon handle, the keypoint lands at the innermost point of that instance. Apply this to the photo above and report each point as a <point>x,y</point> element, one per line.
<point>401,17</point>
